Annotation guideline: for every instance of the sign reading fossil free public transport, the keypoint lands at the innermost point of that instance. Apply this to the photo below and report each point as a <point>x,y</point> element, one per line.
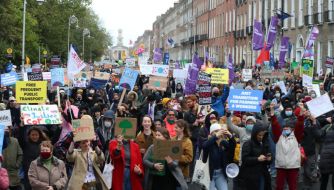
<point>31,92</point>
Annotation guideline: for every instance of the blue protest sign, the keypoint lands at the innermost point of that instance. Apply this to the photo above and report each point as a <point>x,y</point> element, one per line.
<point>8,79</point>
<point>2,133</point>
<point>57,77</point>
<point>245,100</point>
<point>166,58</point>
<point>128,79</point>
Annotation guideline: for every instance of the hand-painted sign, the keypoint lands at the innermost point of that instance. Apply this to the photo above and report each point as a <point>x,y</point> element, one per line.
<point>9,79</point>
<point>41,114</point>
<point>126,127</point>
<point>162,148</point>
<point>159,83</point>
<point>307,67</point>
<point>128,79</point>
<point>58,76</point>
<point>204,93</point>
<point>83,129</point>
<point>160,70</point>
<point>5,118</point>
<point>31,91</point>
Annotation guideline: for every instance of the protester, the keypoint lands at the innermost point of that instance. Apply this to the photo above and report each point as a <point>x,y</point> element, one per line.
<point>169,122</point>
<point>146,136</point>
<point>47,171</point>
<point>106,131</point>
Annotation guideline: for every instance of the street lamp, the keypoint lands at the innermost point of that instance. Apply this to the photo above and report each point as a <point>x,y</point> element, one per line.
<point>24,29</point>
<point>71,20</point>
<point>85,32</point>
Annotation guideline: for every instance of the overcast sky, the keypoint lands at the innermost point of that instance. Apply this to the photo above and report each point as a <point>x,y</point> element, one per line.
<point>132,16</point>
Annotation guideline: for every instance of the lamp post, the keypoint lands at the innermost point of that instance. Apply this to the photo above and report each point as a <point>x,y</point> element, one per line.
<point>71,20</point>
<point>85,32</point>
<point>24,29</point>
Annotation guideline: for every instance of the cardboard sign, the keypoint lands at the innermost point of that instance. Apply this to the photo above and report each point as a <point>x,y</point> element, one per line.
<point>159,83</point>
<point>57,77</point>
<point>180,73</point>
<point>246,74</point>
<point>126,127</point>
<point>218,76</point>
<point>162,148</point>
<point>107,66</point>
<point>41,114</point>
<point>320,106</point>
<point>102,75</point>
<point>204,79</point>
<point>31,92</point>
<point>245,100</point>
<point>273,74</point>
<point>204,93</point>
<point>46,75</point>
<point>307,67</point>
<point>130,62</point>
<point>35,76</point>
<point>160,70</point>
<point>9,79</point>
<point>128,79</point>
<point>5,118</point>
<point>83,129</point>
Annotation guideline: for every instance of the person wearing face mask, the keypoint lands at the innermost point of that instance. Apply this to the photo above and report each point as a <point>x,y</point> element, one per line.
<point>47,172</point>
<point>218,100</point>
<point>106,131</point>
<point>145,138</point>
<point>14,111</point>
<point>12,159</point>
<point>288,156</point>
<point>313,94</point>
<point>204,132</point>
<point>97,117</point>
<point>322,89</point>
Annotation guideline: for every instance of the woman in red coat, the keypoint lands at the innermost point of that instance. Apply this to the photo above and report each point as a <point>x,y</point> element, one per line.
<point>128,172</point>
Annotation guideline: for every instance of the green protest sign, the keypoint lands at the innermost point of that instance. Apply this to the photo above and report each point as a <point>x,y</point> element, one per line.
<point>307,67</point>
<point>126,127</point>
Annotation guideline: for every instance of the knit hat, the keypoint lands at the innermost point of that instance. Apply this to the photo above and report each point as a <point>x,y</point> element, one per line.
<point>251,118</point>
<point>165,101</point>
<point>215,127</point>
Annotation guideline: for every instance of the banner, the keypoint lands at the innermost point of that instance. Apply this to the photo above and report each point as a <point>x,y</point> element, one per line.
<point>312,37</point>
<point>74,64</point>
<point>204,78</point>
<point>126,127</point>
<point>320,106</point>
<point>157,56</point>
<point>245,100</point>
<point>258,39</point>
<point>31,92</point>
<point>230,68</point>
<point>166,59</point>
<point>218,76</point>
<point>307,67</point>
<point>272,74</point>
<point>5,118</point>
<point>247,74</point>
<point>128,79</point>
<point>41,114</point>
<point>98,83</point>
<point>180,73</point>
<point>9,79</point>
<point>57,77</point>
<point>83,129</point>
<point>35,76</point>
<point>46,75</point>
<point>283,50</point>
<point>204,94</point>
<point>163,148</point>
<point>160,70</point>
<point>159,83</point>
<point>272,32</point>
<point>193,70</point>
<point>130,62</point>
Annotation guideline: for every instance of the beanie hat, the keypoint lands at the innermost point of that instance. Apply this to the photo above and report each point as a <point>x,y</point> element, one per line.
<point>215,127</point>
<point>251,118</point>
<point>165,101</point>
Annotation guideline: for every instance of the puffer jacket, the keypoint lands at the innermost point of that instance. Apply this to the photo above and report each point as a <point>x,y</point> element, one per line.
<point>327,153</point>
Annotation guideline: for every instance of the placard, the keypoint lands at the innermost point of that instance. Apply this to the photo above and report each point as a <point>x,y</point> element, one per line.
<point>282,87</point>
<point>46,75</point>
<point>247,74</point>
<point>159,83</point>
<point>126,127</point>
<point>80,82</point>
<point>163,148</point>
<point>204,79</point>
<point>218,76</point>
<point>160,70</point>
<point>35,76</point>
<point>245,100</point>
<point>307,67</point>
<point>2,133</point>
<point>316,88</point>
<point>128,79</point>
<point>102,75</point>
<point>204,93</point>
<point>31,92</point>
<point>57,77</point>
<point>5,118</point>
<point>83,129</point>
<point>272,74</point>
<point>41,114</point>
<point>307,81</point>
<point>130,62</point>
<point>329,62</point>
<point>180,73</point>
<point>9,79</point>
<point>320,106</point>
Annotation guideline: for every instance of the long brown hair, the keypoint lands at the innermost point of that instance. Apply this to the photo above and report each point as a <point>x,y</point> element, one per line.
<point>184,125</point>
<point>153,128</point>
<point>164,132</point>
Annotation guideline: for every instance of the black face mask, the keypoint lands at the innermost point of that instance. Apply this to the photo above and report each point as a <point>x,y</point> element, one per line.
<point>267,83</point>
<point>216,94</point>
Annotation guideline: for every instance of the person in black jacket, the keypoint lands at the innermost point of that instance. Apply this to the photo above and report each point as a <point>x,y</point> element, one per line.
<point>220,149</point>
<point>326,164</point>
<point>256,159</point>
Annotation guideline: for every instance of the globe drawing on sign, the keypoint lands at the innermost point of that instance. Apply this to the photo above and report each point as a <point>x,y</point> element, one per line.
<point>125,125</point>
<point>175,150</point>
<point>84,75</point>
<point>157,84</point>
<point>160,70</point>
<point>306,67</point>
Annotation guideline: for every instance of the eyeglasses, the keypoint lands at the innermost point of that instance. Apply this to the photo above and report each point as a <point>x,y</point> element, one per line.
<point>171,114</point>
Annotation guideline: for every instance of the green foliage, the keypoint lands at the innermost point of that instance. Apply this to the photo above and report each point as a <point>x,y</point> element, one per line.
<point>47,27</point>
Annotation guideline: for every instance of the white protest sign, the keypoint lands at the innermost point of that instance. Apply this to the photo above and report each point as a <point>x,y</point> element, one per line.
<point>160,70</point>
<point>180,73</point>
<point>282,87</point>
<point>46,75</point>
<point>246,74</point>
<point>145,69</point>
<point>320,105</point>
<point>307,81</point>
<point>5,118</point>
<point>130,62</point>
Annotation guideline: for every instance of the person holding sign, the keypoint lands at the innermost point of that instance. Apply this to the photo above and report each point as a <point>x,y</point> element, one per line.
<point>86,173</point>
<point>162,174</point>
<point>145,137</point>
<point>128,170</point>
<point>219,149</point>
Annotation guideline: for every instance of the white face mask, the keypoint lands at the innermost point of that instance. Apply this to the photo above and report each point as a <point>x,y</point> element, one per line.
<point>107,124</point>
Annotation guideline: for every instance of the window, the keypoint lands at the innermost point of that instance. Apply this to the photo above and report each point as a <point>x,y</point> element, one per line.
<point>300,13</point>
<point>233,21</point>
<point>254,10</point>
<point>250,15</point>
<point>272,3</point>
<point>226,21</point>
<point>309,11</point>
<point>285,22</point>
<point>293,13</point>
<point>330,48</point>
<point>330,10</point>
<point>320,14</point>
<point>266,11</point>
<point>260,10</point>
<point>319,65</point>
<point>230,21</point>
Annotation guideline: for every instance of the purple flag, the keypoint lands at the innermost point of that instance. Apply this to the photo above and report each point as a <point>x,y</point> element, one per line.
<point>272,32</point>
<point>230,68</point>
<point>157,57</point>
<point>313,36</point>
<point>283,50</point>
<point>177,65</point>
<point>257,36</point>
<point>191,81</point>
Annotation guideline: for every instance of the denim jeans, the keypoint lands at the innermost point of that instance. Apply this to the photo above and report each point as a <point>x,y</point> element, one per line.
<point>218,181</point>
<point>126,179</point>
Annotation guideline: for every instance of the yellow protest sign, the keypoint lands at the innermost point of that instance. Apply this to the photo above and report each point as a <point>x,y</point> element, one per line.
<point>31,91</point>
<point>218,76</point>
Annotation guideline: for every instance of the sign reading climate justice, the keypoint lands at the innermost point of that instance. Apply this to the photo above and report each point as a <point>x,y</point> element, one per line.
<point>40,114</point>
<point>245,100</point>
<point>31,91</point>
